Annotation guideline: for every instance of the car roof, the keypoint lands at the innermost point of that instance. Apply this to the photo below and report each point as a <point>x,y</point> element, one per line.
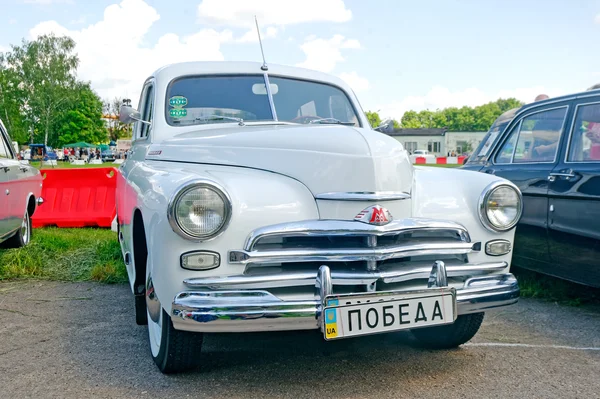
<point>172,71</point>
<point>567,97</point>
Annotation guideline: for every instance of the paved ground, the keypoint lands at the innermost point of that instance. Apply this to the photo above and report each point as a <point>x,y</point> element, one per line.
<point>80,340</point>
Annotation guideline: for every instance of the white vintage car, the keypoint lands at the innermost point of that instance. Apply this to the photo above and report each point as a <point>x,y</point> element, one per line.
<point>258,198</point>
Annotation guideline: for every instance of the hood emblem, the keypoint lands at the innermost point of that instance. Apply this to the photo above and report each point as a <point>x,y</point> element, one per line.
<point>375,214</point>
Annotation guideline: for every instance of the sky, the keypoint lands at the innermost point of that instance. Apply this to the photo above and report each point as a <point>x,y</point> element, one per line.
<point>396,55</point>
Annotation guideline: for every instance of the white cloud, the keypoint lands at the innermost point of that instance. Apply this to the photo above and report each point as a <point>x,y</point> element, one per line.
<point>252,37</point>
<point>240,13</point>
<point>440,97</point>
<point>79,21</point>
<point>324,54</point>
<point>597,19</point>
<point>12,21</point>
<point>114,54</point>
<point>357,83</point>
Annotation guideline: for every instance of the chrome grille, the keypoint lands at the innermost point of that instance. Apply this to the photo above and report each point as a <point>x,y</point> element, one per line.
<point>347,242</point>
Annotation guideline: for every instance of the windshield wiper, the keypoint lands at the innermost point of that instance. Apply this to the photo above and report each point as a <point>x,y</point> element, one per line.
<point>207,118</point>
<point>331,121</point>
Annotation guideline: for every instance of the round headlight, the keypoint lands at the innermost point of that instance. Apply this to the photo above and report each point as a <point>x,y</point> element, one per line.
<point>199,211</point>
<point>500,206</point>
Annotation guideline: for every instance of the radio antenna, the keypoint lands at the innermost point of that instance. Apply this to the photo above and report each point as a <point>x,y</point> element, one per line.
<point>264,66</point>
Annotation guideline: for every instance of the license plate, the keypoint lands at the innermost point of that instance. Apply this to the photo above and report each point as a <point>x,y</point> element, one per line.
<point>371,313</point>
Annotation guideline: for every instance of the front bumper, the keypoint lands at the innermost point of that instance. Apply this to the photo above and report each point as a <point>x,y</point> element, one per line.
<point>258,310</point>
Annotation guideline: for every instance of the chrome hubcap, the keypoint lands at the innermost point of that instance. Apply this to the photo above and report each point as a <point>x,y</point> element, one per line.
<point>25,228</point>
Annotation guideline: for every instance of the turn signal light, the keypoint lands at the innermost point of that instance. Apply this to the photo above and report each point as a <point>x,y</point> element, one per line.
<point>497,247</point>
<point>200,260</point>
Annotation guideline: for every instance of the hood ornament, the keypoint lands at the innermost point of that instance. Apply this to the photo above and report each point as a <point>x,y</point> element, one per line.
<point>374,214</point>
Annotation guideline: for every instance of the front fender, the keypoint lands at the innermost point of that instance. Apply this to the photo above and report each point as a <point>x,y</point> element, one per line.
<point>453,194</point>
<point>258,198</point>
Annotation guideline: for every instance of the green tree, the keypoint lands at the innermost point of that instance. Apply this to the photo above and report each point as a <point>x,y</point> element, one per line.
<point>83,120</point>
<point>467,119</point>
<point>10,106</point>
<point>410,120</point>
<point>45,69</point>
<point>115,128</point>
<point>373,118</point>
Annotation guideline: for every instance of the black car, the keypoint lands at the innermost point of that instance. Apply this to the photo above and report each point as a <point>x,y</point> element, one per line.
<point>551,150</point>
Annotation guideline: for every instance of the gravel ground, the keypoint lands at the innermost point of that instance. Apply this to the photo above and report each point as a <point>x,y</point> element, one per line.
<point>75,340</point>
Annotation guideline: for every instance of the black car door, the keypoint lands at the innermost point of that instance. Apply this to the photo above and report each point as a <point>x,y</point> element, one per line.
<point>574,199</point>
<point>526,156</point>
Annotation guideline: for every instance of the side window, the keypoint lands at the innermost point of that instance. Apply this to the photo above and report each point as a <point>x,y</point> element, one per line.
<point>585,137</point>
<point>4,147</point>
<point>147,111</point>
<point>505,153</point>
<point>534,139</point>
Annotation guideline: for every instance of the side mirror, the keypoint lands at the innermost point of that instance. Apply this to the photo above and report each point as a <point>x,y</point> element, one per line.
<point>129,115</point>
<point>386,126</point>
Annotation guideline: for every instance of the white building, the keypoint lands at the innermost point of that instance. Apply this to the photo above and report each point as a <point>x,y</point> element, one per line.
<point>438,141</point>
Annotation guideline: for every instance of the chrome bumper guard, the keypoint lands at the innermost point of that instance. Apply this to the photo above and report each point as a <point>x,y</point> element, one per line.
<point>246,310</point>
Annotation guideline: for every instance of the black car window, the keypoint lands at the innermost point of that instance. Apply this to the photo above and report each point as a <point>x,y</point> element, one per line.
<point>506,152</point>
<point>585,136</point>
<point>535,139</point>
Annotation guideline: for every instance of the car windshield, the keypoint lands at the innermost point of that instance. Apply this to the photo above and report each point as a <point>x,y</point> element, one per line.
<point>483,150</point>
<point>199,100</point>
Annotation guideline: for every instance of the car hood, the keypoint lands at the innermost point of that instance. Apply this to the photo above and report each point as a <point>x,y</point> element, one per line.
<point>325,158</point>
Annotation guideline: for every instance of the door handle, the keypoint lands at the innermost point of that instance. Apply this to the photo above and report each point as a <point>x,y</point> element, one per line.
<point>6,169</point>
<point>24,168</point>
<point>490,171</point>
<point>566,175</point>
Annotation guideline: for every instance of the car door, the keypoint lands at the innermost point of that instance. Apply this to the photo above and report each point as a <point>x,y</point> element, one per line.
<point>574,199</point>
<point>10,191</point>
<point>526,156</point>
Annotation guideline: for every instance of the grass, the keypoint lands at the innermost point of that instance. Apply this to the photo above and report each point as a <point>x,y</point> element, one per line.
<point>67,165</point>
<point>536,285</point>
<point>66,255</point>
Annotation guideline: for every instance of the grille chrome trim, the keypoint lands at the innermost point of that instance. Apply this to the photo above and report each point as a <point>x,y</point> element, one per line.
<point>340,277</point>
<point>345,228</point>
<point>349,255</point>
<point>364,196</point>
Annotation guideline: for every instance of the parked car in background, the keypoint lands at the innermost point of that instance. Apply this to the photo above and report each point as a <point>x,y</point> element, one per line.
<point>235,207</point>
<point>422,154</point>
<point>108,156</point>
<point>20,189</point>
<point>551,150</point>
<point>41,152</point>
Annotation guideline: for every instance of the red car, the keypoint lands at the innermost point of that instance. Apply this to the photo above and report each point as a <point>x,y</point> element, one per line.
<point>20,189</point>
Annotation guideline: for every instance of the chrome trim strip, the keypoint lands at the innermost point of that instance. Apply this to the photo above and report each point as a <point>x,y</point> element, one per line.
<point>364,196</point>
<point>571,134</point>
<point>483,199</point>
<point>340,277</point>
<point>345,228</point>
<point>349,255</point>
<point>245,311</point>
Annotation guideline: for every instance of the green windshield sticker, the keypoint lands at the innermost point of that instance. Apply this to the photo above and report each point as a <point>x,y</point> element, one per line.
<point>178,112</point>
<point>178,101</point>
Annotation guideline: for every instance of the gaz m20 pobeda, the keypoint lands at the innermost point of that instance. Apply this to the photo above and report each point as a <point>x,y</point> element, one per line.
<point>259,198</point>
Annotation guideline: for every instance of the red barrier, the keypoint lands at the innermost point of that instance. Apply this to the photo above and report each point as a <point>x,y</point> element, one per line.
<point>420,160</point>
<point>461,159</point>
<point>77,198</point>
<point>440,160</point>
